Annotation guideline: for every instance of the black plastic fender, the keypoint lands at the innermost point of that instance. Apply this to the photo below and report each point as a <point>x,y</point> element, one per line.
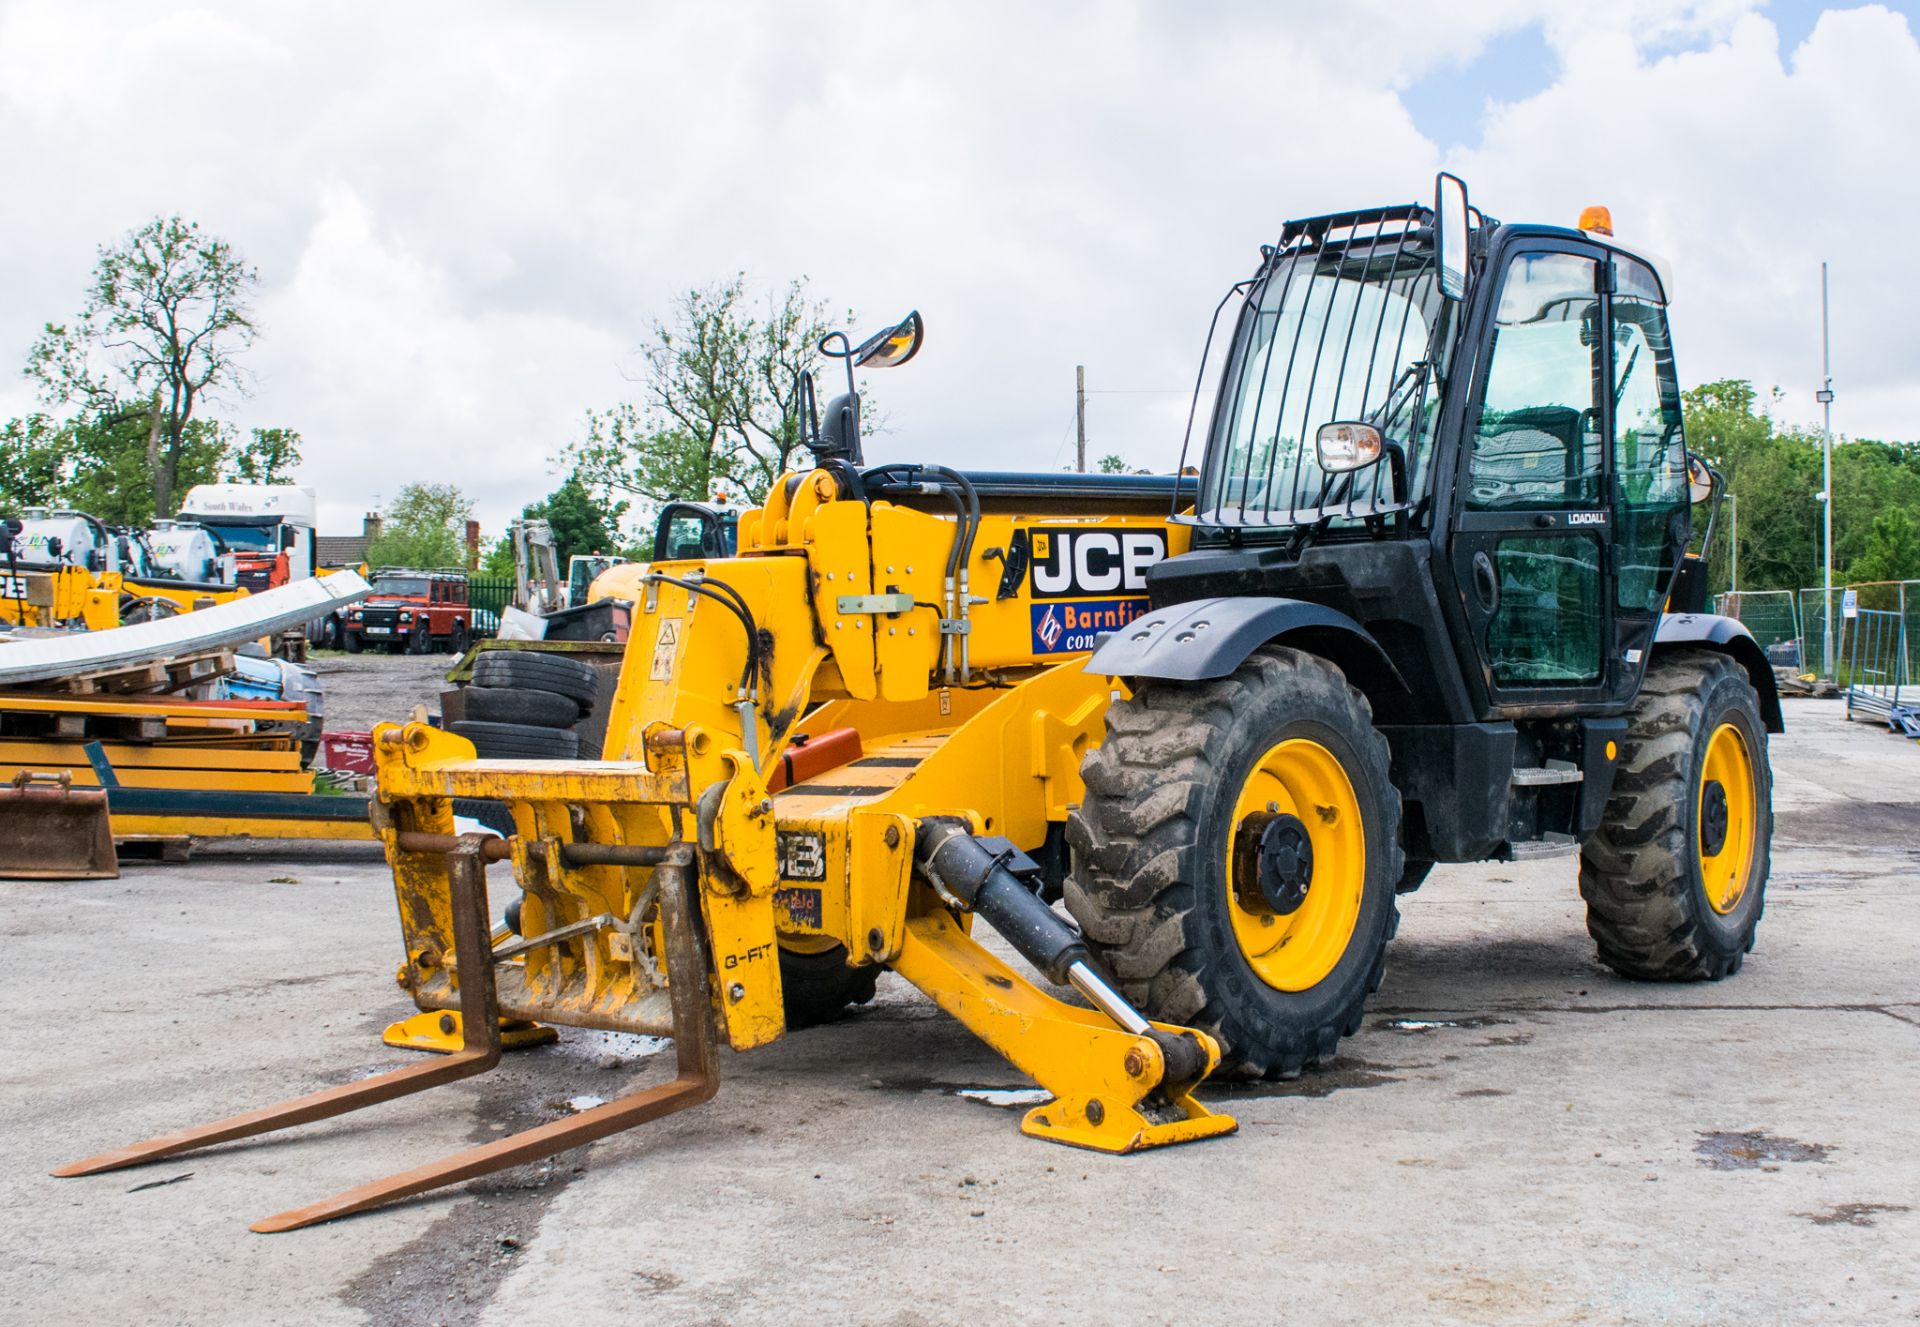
<point>1729,636</point>
<point>1208,638</point>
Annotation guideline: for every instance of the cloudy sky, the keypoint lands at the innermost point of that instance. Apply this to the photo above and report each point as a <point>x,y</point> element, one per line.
<point>463,215</point>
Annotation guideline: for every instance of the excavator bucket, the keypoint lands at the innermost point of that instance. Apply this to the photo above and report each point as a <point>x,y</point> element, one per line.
<point>55,831</point>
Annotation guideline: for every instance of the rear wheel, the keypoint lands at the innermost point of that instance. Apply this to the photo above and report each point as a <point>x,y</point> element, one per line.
<point>1675,878</point>
<point>1236,857</point>
<point>457,640</point>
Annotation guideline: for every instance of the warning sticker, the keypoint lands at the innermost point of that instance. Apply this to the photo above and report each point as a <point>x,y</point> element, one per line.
<point>665,646</point>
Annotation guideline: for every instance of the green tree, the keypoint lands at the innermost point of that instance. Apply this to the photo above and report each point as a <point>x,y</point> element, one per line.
<point>32,470</point>
<point>270,456</point>
<point>425,525</point>
<point>97,463</point>
<point>1892,549</point>
<point>713,411</point>
<point>581,524</point>
<point>165,318</point>
<point>1113,463</point>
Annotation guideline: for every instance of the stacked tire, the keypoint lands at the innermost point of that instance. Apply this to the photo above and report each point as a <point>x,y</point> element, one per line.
<point>523,705</point>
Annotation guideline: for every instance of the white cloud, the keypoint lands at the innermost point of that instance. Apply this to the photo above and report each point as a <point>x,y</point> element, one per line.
<point>464,214</point>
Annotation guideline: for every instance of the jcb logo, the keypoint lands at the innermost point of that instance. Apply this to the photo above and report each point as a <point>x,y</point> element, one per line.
<point>13,587</point>
<point>1079,562</point>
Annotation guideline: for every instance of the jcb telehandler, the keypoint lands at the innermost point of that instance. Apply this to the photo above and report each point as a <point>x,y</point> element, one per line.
<point>1409,610</point>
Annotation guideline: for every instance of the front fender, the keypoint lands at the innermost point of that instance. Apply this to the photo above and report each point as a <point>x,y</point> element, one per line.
<point>1208,638</point>
<point>1729,636</point>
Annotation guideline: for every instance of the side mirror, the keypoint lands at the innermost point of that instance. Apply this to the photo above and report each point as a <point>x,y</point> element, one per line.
<point>893,347</point>
<point>1702,479</point>
<point>1450,233</point>
<point>1341,447</point>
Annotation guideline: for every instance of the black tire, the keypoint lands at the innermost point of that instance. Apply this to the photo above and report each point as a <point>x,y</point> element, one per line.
<point>540,672</point>
<point>354,641</point>
<point>457,639</point>
<point>818,988</point>
<point>1413,875</point>
<point>420,640</point>
<point>518,741</point>
<point>494,815</point>
<point>1150,884</point>
<point>1640,872</point>
<point>592,745</point>
<point>538,709</point>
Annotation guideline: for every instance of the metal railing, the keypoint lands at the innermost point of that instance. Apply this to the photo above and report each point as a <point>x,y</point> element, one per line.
<point>1791,626</point>
<point>1878,665</point>
<point>488,595</point>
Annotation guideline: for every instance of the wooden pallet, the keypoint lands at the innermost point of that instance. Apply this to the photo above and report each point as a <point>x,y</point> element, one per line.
<point>167,675</point>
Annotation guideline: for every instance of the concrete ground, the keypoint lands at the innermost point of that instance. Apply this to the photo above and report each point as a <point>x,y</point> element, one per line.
<point>1514,1136</point>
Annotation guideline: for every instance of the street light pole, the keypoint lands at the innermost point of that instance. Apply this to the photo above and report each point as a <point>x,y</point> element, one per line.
<point>1825,397</point>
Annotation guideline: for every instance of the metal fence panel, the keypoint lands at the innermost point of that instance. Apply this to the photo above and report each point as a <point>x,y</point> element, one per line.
<point>1877,666</point>
<point>487,595</point>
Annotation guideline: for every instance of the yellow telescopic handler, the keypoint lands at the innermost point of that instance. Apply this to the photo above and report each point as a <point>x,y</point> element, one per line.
<point>1423,600</point>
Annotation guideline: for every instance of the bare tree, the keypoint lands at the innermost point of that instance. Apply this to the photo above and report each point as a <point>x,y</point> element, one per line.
<point>713,412</point>
<point>164,322</point>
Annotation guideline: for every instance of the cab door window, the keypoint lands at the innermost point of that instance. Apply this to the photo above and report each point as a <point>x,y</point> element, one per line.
<point>1652,515</point>
<point>1537,443</point>
<point>1537,448</point>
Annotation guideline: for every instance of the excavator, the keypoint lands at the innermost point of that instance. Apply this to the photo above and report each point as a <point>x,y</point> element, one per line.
<point>1414,606</point>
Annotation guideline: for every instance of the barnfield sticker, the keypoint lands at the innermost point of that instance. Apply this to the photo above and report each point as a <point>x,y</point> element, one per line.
<point>802,906</point>
<point>1063,628</point>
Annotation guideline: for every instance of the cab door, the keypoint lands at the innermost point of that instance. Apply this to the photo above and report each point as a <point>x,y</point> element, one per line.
<point>1530,551</point>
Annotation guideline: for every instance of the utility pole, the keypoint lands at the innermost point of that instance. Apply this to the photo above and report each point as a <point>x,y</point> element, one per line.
<point>1080,416</point>
<point>1825,397</point>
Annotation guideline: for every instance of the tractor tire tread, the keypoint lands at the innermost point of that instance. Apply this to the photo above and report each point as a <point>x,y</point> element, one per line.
<point>531,669</point>
<point>512,741</point>
<point>523,705</point>
<point>1135,835</point>
<point>1637,874</point>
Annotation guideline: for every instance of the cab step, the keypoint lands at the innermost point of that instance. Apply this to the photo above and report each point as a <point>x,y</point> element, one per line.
<point>1554,771</point>
<point>1547,845</point>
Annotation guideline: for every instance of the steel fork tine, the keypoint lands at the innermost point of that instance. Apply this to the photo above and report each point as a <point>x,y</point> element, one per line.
<point>697,1080</point>
<point>479,1015</point>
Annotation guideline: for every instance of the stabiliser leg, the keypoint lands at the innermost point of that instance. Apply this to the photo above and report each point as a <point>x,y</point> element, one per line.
<point>466,868</point>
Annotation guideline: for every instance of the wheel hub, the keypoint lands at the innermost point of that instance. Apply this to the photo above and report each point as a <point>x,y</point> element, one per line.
<point>1713,818</point>
<point>1273,869</point>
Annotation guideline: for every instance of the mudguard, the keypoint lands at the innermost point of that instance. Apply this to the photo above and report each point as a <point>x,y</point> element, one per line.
<point>1729,636</point>
<point>1208,638</point>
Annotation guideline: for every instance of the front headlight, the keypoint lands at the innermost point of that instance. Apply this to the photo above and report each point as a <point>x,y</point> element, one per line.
<point>354,616</point>
<point>406,617</point>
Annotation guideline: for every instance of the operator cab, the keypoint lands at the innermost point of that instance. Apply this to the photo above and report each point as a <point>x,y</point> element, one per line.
<point>1500,402</point>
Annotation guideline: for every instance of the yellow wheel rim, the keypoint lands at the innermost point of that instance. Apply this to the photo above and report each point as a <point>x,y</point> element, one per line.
<point>1302,779</point>
<point>1724,816</point>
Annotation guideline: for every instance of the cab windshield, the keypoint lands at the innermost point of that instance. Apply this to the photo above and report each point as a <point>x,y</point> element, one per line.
<point>1344,324</point>
<point>401,586</point>
<point>247,538</point>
